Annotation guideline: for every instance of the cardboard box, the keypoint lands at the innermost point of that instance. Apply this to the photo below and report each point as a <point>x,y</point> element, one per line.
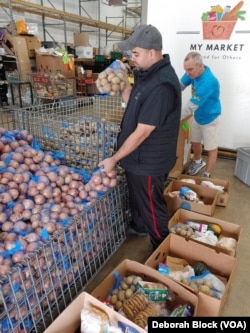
<point>33,43</point>
<point>53,64</point>
<point>22,58</point>
<point>81,39</point>
<point>183,148</point>
<point>69,320</point>
<point>129,267</point>
<point>207,195</point>
<point>222,197</point>
<point>219,264</point>
<point>242,166</point>
<point>228,229</point>
<point>85,52</point>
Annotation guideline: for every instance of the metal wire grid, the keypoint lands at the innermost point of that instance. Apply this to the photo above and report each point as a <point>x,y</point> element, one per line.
<point>36,291</point>
<point>83,129</point>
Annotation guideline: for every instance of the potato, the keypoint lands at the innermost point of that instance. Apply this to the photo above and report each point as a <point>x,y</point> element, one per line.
<point>102,75</point>
<point>106,88</point>
<point>115,80</point>
<point>115,87</point>
<point>113,93</point>
<point>110,77</point>
<point>104,81</point>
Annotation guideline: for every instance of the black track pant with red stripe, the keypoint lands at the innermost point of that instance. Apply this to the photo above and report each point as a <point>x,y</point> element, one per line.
<point>148,206</point>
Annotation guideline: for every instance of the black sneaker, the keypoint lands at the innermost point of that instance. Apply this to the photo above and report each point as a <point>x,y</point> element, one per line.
<point>132,232</point>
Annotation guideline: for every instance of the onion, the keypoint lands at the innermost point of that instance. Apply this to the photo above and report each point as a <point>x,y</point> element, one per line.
<point>6,149</point>
<point>4,181</point>
<point>68,179</point>
<point>17,257</point>
<point>3,218</point>
<point>18,178</point>
<point>15,217</point>
<point>14,193</point>
<point>18,157</point>
<point>5,198</point>
<point>8,175</point>
<point>31,237</point>
<point>18,208</point>
<point>32,191</point>
<point>23,188</point>
<point>12,184</point>
<point>97,179</point>
<point>26,215</point>
<point>39,199</point>
<point>52,176</point>
<point>28,204</point>
<point>48,158</point>
<point>14,164</point>
<point>47,192</point>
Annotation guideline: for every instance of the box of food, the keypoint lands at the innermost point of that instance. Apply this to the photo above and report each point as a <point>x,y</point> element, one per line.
<point>204,201</point>
<point>69,320</point>
<point>226,241</point>
<point>222,185</point>
<point>52,86</point>
<point>129,269</point>
<point>219,264</point>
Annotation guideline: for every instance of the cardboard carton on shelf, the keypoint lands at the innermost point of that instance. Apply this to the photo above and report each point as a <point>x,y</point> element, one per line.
<point>33,43</point>
<point>223,197</point>
<point>229,229</point>
<point>85,52</point>
<point>22,58</point>
<point>54,64</point>
<point>69,321</point>
<point>208,196</point>
<point>81,39</point>
<point>219,264</point>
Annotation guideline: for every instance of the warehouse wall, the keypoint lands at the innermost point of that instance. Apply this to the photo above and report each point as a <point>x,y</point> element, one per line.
<point>182,29</point>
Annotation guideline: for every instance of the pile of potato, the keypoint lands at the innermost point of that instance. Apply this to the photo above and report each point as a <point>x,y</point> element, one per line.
<point>111,81</point>
<point>125,290</point>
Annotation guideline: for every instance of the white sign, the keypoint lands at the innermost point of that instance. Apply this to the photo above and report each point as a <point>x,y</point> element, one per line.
<point>225,46</point>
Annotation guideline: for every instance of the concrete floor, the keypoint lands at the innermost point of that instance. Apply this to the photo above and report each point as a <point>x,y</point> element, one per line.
<point>237,211</point>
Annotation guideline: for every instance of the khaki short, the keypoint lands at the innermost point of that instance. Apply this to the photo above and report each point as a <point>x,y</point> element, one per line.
<point>206,134</point>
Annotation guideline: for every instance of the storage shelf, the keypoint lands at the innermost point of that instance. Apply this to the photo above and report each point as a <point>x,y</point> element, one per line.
<point>28,7</point>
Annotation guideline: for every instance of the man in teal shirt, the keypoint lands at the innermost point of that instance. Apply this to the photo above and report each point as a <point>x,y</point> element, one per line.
<point>205,106</point>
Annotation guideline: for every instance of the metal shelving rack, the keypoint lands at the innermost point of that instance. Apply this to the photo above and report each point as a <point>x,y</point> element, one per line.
<point>65,17</point>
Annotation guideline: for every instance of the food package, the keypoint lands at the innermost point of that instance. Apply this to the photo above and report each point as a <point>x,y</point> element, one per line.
<point>112,80</point>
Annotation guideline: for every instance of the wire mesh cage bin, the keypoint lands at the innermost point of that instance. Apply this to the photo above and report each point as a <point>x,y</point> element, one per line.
<point>83,129</point>
<point>34,292</point>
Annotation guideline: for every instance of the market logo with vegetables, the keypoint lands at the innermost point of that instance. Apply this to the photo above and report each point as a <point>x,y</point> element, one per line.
<point>219,22</point>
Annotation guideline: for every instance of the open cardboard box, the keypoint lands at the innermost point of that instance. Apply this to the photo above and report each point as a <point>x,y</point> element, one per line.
<point>207,195</point>
<point>129,267</point>
<point>228,229</point>
<point>69,320</point>
<point>219,264</point>
<point>223,197</point>
<point>183,150</point>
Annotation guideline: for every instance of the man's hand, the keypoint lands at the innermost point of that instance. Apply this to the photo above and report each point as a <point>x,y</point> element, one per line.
<point>108,164</point>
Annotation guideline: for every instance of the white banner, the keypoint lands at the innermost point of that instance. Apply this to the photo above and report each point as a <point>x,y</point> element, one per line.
<point>191,25</point>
